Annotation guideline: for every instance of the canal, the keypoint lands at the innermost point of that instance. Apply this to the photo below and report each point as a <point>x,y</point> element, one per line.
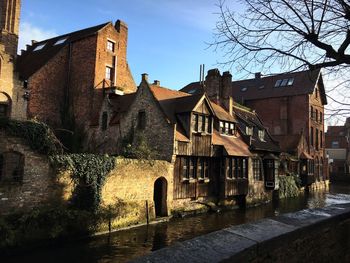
<point>128,244</point>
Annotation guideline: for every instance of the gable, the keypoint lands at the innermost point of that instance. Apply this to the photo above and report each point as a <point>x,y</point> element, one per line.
<point>203,108</point>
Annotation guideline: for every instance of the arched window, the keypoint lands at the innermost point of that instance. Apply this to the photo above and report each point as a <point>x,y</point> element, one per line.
<point>12,166</point>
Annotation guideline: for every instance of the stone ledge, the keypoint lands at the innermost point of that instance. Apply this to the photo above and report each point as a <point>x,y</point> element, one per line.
<point>246,243</point>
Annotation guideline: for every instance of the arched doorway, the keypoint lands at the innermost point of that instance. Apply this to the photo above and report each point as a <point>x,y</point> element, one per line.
<point>160,197</point>
<point>5,105</point>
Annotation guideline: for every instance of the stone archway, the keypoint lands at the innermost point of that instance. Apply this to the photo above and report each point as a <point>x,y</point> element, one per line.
<point>160,197</point>
<point>5,104</point>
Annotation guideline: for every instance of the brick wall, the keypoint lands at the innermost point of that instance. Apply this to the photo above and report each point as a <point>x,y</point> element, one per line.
<point>38,186</point>
<point>47,88</point>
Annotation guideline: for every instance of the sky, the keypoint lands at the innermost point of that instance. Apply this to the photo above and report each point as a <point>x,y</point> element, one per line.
<point>168,39</point>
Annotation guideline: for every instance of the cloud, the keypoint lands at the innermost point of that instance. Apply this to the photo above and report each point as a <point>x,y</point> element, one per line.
<point>29,32</point>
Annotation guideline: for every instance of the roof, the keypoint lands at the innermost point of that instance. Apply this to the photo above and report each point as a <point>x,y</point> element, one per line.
<point>221,113</point>
<point>31,61</point>
<point>304,82</point>
<point>234,146</point>
<point>249,118</point>
<point>173,102</point>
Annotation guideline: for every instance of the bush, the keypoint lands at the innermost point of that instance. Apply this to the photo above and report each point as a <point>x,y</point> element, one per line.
<point>287,187</point>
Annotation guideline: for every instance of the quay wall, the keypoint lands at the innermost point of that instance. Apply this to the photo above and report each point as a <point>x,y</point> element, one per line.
<point>311,235</point>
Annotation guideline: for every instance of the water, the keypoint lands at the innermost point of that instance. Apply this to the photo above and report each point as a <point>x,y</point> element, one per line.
<point>125,245</point>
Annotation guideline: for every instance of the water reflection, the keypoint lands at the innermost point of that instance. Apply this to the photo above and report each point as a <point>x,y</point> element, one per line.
<point>125,245</point>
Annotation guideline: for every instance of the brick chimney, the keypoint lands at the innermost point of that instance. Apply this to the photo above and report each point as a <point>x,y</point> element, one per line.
<point>213,85</point>
<point>144,77</point>
<point>258,75</point>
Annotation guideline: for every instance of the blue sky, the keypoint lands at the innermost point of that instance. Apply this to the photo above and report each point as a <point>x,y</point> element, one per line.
<point>167,38</point>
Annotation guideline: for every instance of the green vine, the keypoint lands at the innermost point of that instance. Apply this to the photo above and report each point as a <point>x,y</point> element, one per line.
<point>88,172</point>
<point>36,134</point>
<point>288,186</point>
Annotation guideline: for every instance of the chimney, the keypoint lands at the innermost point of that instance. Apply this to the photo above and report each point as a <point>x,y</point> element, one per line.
<point>156,82</point>
<point>230,105</point>
<point>213,85</point>
<point>258,75</point>
<point>144,77</point>
<point>34,42</point>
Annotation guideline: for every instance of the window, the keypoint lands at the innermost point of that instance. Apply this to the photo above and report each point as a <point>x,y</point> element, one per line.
<point>104,120</point>
<point>185,168</point>
<point>3,110</point>
<point>227,128</point>
<point>316,141</point>
<point>60,41</point>
<point>261,134</point>
<point>257,170</point>
<point>290,82</point>
<point>316,93</point>
<point>335,144</point>
<point>312,113</point>
<point>321,139</point>
<point>316,115</point>
<point>244,89</point>
<point>1,165</point>
<point>141,120</point>
<point>39,47</point>
<point>321,117</point>
<point>203,168</point>
<point>109,73</point>
<point>278,83</point>
<point>110,45</point>
<point>201,123</point>
<point>11,166</point>
<point>284,82</point>
<point>249,130</point>
<point>312,136</point>
<point>193,168</point>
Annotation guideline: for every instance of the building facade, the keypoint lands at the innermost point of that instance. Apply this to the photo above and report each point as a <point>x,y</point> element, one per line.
<point>12,95</point>
<point>337,149</point>
<point>66,75</point>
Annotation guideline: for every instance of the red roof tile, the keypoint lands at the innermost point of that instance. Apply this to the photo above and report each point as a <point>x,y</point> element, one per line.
<point>234,146</point>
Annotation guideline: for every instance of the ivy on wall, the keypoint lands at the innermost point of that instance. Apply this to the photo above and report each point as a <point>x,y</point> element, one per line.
<point>88,172</point>
<point>288,186</point>
<point>36,134</point>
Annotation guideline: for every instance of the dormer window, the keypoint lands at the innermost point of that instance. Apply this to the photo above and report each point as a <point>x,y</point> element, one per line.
<point>60,41</point>
<point>39,47</point>
<point>261,134</point>
<point>227,128</point>
<point>249,130</point>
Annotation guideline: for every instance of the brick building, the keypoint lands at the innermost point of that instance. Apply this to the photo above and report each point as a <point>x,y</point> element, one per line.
<point>337,149</point>
<point>12,94</point>
<point>66,75</point>
<point>290,105</point>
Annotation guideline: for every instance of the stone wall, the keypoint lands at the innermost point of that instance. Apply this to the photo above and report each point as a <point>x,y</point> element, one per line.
<point>38,187</point>
<point>313,235</point>
<point>160,133</point>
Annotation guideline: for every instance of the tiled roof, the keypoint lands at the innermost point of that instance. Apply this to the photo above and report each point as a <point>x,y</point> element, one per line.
<point>173,101</point>
<point>261,88</point>
<point>251,119</point>
<point>234,146</point>
<point>221,113</point>
<point>304,82</point>
<point>32,60</point>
